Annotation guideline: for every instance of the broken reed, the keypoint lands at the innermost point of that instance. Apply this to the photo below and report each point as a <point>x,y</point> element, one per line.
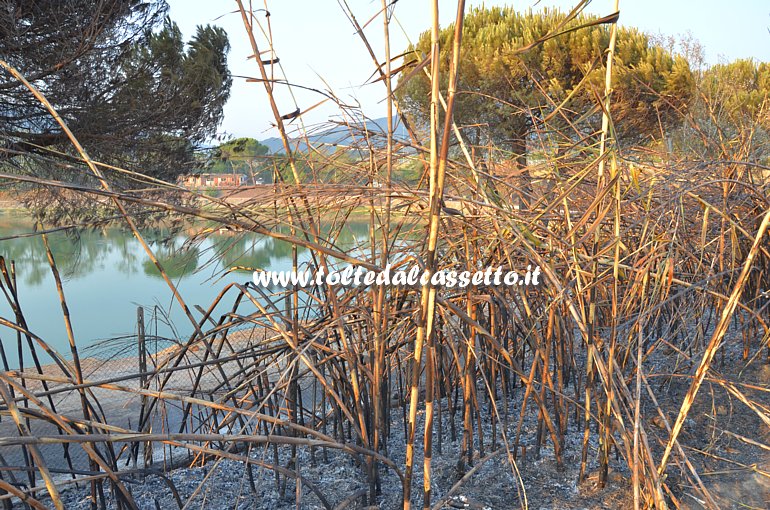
<point>632,260</point>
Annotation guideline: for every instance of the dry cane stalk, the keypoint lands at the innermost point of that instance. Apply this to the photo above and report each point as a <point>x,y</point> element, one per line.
<point>565,225</point>
<point>425,329</point>
<point>380,392</point>
<point>24,431</point>
<point>73,348</point>
<point>715,342</point>
<point>606,418</point>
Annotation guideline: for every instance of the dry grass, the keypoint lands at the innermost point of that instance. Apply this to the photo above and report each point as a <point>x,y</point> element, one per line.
<point>639,249</point>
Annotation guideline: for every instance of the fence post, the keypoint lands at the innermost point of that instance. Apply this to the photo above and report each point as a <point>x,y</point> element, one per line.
<point>141,345</point>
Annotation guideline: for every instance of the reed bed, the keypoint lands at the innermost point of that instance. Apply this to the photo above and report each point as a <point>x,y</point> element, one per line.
<point>640,356</point>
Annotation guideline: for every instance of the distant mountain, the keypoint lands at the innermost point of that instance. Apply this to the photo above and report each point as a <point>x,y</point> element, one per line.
<point>341,135</point>
<point>274,144</point>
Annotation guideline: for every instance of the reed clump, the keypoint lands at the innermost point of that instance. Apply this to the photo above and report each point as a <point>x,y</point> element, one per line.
<point>637,361</point>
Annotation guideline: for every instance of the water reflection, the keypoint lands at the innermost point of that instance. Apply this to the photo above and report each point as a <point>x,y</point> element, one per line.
<point>83,252</point>
<point>107,275</point>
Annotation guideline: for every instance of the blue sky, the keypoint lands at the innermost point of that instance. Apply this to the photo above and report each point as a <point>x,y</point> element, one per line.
<point>314,40</point>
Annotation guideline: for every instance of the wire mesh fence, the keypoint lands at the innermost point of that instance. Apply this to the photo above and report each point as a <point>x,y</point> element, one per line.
<point>636,363</point>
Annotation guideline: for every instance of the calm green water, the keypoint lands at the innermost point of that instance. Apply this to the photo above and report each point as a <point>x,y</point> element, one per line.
<point>107,275</point>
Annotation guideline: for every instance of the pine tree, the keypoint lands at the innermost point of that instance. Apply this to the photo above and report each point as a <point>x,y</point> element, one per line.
<point>120,75</point>
<point>505,92</point>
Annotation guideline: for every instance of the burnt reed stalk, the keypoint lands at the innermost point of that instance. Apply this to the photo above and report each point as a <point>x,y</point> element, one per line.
<point>650,280</point>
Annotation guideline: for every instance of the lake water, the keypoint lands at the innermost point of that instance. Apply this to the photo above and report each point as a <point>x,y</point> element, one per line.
<point>107,275</point>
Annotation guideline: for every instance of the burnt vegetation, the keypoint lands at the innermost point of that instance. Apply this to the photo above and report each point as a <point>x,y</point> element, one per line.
<point>634,376</point>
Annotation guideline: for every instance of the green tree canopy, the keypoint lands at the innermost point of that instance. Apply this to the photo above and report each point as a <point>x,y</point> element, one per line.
<point>740,89</point>
<point>505,91</point>
<point>730,116</point>
<point>241,155</point>
<point>120,75</point>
